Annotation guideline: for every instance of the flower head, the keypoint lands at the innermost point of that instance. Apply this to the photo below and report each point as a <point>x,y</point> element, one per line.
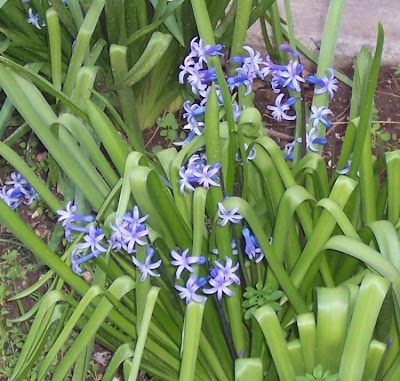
<point>183,262</point>
<point>17,181</point>
<point>188,292</point>
<point>69,215</point>
<point>219,285</point>
<point>129,231</point>
<point>33,18</point>
<point>252,247</point>
<point>279,110</point>
<point>200,51</point>
<point>228,216</point>
<point>93,240</point>
<point>312,138</point>
<point>318,115</point>
<point>147,267</point>
<point>329,83</point>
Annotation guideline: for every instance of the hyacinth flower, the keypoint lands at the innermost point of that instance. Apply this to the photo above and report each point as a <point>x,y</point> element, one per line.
<point>312,138</point>
<point>289,150</point>
<point>129,231</point>
<point>193,111</point>
<point>288,49</point>
<point>227,270</point>
<point>253,61</point>
<point>318,115</point>
<point>346,169</point>
<point>245,77</point>
<point>183,262</point>
<point>226,216</point>
<point>252,247</point>
<point>252,154</point>
<point>279,110</point>
<point>11,196</point>
<point>69,215</point>
<point>325,84</point>
<point>219,286</point>
<point>289,75</point>
<point>221,277</point>
<point>198,173</point>
<point>197,50</point>
<point>147,267</point>
<point>33,18</point>
<point>17,191</point>
<point>188,292</point>
<point>71,221</point>
<point>17,181</point>
<point>91,248</point>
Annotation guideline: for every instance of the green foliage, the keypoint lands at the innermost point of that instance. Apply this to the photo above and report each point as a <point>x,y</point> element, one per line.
<point>260,296</point>
<point>319,374</point>
<point>170,128</point>
<point>331,236</point>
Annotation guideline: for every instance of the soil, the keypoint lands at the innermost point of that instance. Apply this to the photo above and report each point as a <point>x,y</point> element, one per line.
<point>387,102</point>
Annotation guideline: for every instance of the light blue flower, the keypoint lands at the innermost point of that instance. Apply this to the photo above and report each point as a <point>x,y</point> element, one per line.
<point>219,285</point>
<point>188,293</point>
<point>227,270</point>
<point>69,215</point>
<point>147,267</point>
<point>208,175</point>
<point>183,262</point>
<point>253,61</point>
<point>93,240</point>
<point>128,232</point>
<point>279,110</point>
<point>312,138</point>
<point>33,18</point>
<point>329,83</point>
<point>77,258</point>
<point>318,115</point>
<point>245,77</point>
<point>228,216</point>
<point>252,247</point>
<point>200,51</point>
<point>17,181</point>
<point>11,196</point>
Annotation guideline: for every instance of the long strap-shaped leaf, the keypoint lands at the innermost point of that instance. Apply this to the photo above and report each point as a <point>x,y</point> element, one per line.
<point>372,292</point>
<point>37,112</point>
<point>155,49</point>
<point>272,330</point>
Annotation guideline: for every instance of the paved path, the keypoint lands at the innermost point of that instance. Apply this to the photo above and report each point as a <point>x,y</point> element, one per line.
<point>359,27</point>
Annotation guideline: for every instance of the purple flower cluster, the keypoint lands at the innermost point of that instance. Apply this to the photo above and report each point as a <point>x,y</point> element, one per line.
<point>199,76</point>
<point>198,172</point>
<point>194,69</point>
<point>72,221</point>
<point>17,191</point>
<point>290,76</point>
<point>220,277</point>
<point>93,245</point>
<point>94,238</point>
<point>127,232</point>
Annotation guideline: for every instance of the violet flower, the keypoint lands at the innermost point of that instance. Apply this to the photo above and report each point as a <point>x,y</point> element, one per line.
<point>147,267</point>
<point>183,262</point>
<point>188,292</point>
<point>279,110</point>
